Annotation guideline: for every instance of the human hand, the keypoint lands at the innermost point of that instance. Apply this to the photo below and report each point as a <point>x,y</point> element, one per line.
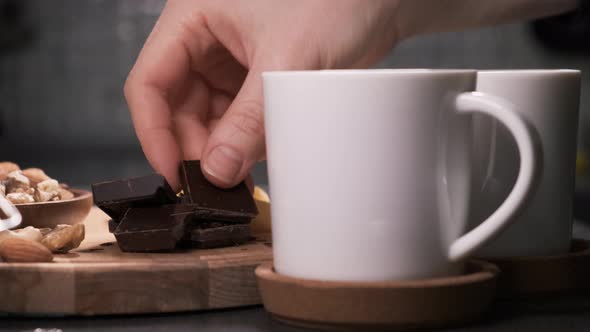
<point>195,91</point>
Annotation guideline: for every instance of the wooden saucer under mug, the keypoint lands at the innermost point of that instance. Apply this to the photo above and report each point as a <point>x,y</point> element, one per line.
<point>526,277</point>
<point>341,305</point>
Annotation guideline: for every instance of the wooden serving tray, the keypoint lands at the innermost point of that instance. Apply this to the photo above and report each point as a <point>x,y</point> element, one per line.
<point>98,278</point>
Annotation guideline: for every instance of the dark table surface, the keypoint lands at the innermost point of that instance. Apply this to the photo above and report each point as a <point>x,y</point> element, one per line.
<point>565,314</point>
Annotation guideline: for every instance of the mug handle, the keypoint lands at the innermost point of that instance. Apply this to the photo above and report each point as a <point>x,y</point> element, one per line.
<point>477,102</point>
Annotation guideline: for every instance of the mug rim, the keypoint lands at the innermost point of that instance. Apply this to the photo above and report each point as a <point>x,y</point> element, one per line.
<point>528,72</point>
<point>369,72</point>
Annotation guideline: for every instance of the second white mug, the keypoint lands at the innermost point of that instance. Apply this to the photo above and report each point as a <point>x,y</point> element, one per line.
<point>548,100</point>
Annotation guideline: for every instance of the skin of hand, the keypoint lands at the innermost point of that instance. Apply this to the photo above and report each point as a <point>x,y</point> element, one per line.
<point>195,91</point>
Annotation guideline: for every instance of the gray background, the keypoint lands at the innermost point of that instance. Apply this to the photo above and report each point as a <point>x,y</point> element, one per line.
<point>61,100</point>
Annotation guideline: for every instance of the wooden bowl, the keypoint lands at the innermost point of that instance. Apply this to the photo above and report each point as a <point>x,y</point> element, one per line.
<point>51,214</point>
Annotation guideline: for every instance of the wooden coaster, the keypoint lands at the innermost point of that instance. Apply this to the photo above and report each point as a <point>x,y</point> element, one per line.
<point>545,275</point>
<point>342,306</point>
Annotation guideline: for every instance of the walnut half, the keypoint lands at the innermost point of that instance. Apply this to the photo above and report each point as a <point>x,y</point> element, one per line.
<point>47,190</point>
<point>64,238</point>
<point>16,181</point>
<point>20,198</point>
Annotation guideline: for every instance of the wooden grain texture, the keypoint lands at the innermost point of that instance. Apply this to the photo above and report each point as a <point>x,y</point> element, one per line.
<point>98,278</point>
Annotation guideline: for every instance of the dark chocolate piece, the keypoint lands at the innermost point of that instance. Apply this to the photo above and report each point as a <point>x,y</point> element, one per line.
<point>215,234</point>
<point>112,225</point>
<point>115,197</point>
<point>210,202</point>
<point>220,215</point>
<point>152,229</point>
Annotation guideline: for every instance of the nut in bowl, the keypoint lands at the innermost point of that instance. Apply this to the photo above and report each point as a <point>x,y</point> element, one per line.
<point>42,201</point>
<point>53,213</point>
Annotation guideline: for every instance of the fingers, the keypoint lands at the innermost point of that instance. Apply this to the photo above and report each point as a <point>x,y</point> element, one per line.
<point>146,93</point>
<point>189,117</point>
<point>237,141</point>
<point>160,78</point>
<point>219,103</point>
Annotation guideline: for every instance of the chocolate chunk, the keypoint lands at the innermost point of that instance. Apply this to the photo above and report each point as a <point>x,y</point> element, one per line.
<point>210,202</point>
<point>115,197</point>
<point>147,215</point>
<point>220,215</point>
<point>214,234</point>
<point>153,228</point>
<point>112,225</point>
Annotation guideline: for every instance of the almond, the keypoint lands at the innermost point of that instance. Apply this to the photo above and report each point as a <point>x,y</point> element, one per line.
<point>25,251</point>
<point>65,194</point>
<point>7,167</point>
<point>35,175</point>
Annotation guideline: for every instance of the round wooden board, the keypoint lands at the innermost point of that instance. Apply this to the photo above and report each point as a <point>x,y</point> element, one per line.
<point>98,278</point>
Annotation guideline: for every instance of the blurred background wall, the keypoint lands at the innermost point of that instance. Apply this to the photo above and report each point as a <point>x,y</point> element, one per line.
<point>63,64</point>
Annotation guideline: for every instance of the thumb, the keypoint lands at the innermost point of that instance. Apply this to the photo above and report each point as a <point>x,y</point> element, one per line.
<point>237,141</point>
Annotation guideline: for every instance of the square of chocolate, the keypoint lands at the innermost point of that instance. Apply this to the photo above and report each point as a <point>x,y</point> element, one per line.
<point>115,197</point>
<point>152,228</point>
<point>207,234</point>
<point>113,225</point>
<point>211,202</point>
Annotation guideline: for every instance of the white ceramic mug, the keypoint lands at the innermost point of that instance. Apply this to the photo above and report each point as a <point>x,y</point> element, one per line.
<point>369,172</point>
<point>548,100</point>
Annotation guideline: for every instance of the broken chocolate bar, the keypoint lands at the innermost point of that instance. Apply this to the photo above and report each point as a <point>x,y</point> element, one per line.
<point>213,234</point>
<point>115,197</point>
<point>153,228</point>
<point>210,202</point>
<point>147,215</point>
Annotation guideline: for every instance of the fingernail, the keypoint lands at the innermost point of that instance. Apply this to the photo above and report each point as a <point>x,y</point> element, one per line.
<point>224,163</point>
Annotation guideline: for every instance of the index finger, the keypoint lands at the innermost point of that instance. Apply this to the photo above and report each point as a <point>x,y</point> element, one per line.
<point>161,67</point>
